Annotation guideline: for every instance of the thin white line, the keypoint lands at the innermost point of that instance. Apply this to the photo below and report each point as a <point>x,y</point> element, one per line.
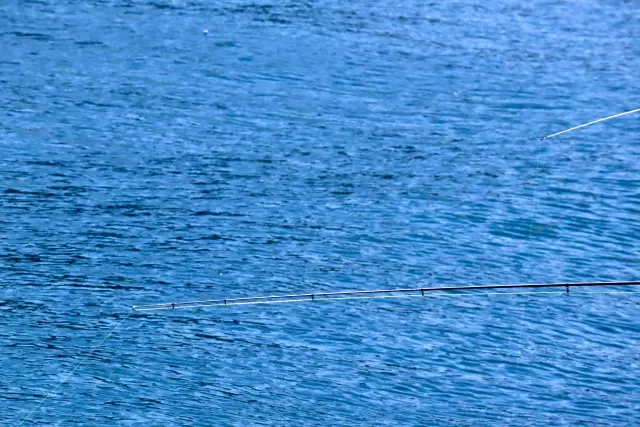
<point>532,220</point>
<point>74,369</point>
<point>590,123</point>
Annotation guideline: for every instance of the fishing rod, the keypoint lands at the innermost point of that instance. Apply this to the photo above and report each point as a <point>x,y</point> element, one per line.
<point>590,123</point>
<point>290,298</point>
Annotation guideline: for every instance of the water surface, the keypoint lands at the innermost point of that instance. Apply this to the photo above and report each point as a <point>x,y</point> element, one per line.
<point>317,146</point>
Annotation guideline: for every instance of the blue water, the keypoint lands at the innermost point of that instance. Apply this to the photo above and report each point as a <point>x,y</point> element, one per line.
<point>317,146</point>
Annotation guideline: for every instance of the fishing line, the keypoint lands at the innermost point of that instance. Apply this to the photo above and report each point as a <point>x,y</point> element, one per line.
<point>532,221</point>
<point>590,123</point>
<point>76,367</point>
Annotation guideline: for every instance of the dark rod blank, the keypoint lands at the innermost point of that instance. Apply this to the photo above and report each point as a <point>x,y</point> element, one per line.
<point>327,295</point>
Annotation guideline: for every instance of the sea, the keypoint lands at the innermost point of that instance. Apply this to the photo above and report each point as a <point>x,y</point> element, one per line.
<point>172,150</point>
